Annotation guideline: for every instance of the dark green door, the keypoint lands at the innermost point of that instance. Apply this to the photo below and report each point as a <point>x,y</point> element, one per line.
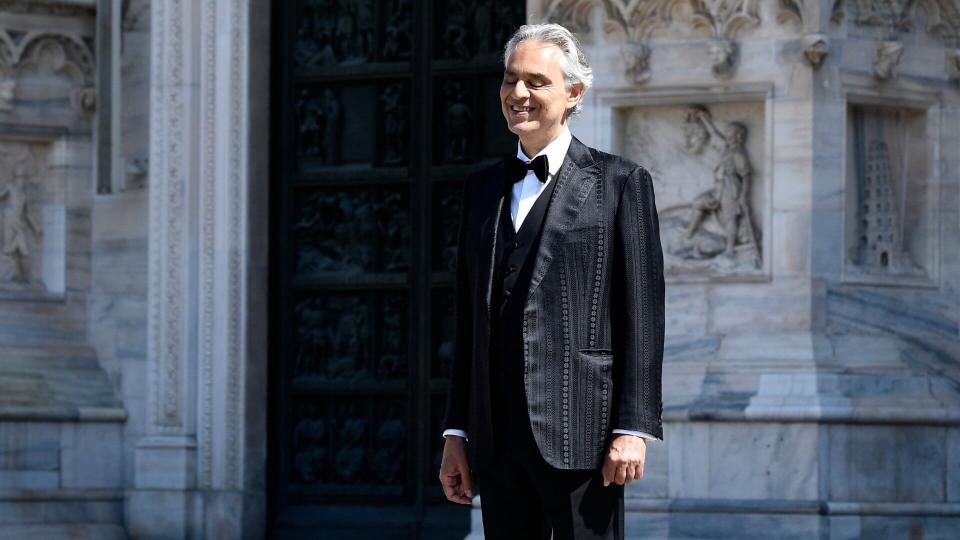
<point>380,109</point>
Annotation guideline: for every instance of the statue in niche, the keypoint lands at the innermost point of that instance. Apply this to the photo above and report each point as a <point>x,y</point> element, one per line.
<point>483,25</point>
<point>392,219</point>
<point>365,28</point>
<point>508,17</point>
<point>459,122</point>
<point>387,462</point>
<point>455,33</point>
<point>331,117</point>
<point>397,41</point>
<point>394,123</point>
<point>880,247</point>
<point>311,452</point>
<point>310,112</point>
<point>18,225</point>
<point>351,459</point>
<point>714,232</point>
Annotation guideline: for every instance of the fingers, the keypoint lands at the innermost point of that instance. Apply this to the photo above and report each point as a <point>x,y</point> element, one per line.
<point>609,467</point>
<point>621,475</point>
<point>455,476</point>
<point>453,489</point>
<point>467,481</point>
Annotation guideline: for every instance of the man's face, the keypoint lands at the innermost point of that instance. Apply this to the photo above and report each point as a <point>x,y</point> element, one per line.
<point>533,96</point>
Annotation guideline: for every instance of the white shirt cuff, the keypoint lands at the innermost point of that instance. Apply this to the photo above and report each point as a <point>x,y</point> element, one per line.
<point>457,432</point>
<point>641,434</point>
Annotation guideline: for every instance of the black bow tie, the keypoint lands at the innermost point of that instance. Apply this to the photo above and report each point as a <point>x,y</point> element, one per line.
<point>516,169</point>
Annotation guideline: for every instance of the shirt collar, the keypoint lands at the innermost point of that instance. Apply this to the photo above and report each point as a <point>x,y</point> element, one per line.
<point>555,151</point>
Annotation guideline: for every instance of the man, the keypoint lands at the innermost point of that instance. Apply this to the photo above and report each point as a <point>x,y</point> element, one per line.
<point>555,383</point>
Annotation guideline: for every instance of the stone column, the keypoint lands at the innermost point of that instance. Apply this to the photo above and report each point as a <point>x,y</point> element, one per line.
<point>199,471</point>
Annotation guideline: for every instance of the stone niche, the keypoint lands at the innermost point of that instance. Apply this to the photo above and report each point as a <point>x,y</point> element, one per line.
<point>32,218</point>
<point>709,166</point>
<point>890,230</point>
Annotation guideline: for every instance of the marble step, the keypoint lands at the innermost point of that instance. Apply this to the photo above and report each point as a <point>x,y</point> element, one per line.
<point>55,383</point>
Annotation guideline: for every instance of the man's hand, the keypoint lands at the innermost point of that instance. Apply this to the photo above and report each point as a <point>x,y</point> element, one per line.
<point>454,471</point>
<point>624,461</point>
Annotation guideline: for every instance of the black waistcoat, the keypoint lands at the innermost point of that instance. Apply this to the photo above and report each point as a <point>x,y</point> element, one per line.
<point>515,254</point>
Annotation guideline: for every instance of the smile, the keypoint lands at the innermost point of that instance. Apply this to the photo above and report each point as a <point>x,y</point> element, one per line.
<point>515,108</point>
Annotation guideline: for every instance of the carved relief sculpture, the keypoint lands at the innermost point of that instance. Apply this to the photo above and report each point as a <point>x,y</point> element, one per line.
<point>880,246</point>
<point>394,114</point>
<point>728,199</point>
<point>815,49</point>
<point>459,120</point>
<point>18,227</point>
<point>397,39</point>
<point>887,59</point>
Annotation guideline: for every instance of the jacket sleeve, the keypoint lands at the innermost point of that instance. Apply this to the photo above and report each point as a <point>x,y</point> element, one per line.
<point>638,304</point>
<point>458,396</point>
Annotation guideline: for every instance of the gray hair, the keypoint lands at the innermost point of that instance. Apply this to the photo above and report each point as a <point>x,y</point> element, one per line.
<point>576,69</point>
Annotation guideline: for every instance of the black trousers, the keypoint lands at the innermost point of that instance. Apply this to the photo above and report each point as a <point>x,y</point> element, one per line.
<point>524,497</point>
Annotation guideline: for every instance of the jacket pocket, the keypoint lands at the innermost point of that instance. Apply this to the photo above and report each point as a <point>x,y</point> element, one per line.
<point>596,378</point>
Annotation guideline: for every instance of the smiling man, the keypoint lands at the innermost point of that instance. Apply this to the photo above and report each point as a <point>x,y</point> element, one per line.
<point>555,385</point>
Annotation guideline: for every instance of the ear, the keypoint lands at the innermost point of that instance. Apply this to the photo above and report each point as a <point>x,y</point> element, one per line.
<point>576,94</point>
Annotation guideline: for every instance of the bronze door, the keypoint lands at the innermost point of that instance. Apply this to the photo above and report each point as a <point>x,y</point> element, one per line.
<point>379,110</point>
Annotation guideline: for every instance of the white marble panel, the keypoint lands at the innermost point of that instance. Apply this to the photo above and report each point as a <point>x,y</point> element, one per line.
<point>92,456</point>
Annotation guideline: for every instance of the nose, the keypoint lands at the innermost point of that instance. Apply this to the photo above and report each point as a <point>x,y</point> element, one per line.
<point>519,90</point>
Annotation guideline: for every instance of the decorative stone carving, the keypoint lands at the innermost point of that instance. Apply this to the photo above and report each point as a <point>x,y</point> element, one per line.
<point>394,111</point>
<point>887,59</point>
<point>45,62</point>
<point>815,49</point>
<point>637,20</point>
<point>879,228</point>
<point>723,58</point>
<point>8,89</point>
<point>19,228</point>
<point>942,16</point>
<point>707,196</point>
<point>953,59</point>
<point>888,13</point>
<point>790,9</point>
<point>889,200</point>
<point>724,18</point>
<point>636,56</point>
<point>459,121</point>
<point>728,199</point>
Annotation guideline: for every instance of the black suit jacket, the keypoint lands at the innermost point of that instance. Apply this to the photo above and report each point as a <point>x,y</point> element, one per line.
<point>593,317</point>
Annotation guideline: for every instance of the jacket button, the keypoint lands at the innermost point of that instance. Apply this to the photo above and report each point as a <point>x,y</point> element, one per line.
<point>516,243</point>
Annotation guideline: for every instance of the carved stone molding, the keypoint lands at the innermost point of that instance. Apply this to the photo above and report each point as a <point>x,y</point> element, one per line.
<point>63,8</point>
<point>207,188</point>
<point>63,55</point>
<point>638,19</point>
<point>942,16</point>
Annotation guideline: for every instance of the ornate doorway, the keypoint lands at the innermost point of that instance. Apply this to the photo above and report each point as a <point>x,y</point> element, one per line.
<point>380,109</point>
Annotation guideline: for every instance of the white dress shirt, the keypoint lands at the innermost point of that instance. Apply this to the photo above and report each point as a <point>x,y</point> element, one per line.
<point>525,193</point>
